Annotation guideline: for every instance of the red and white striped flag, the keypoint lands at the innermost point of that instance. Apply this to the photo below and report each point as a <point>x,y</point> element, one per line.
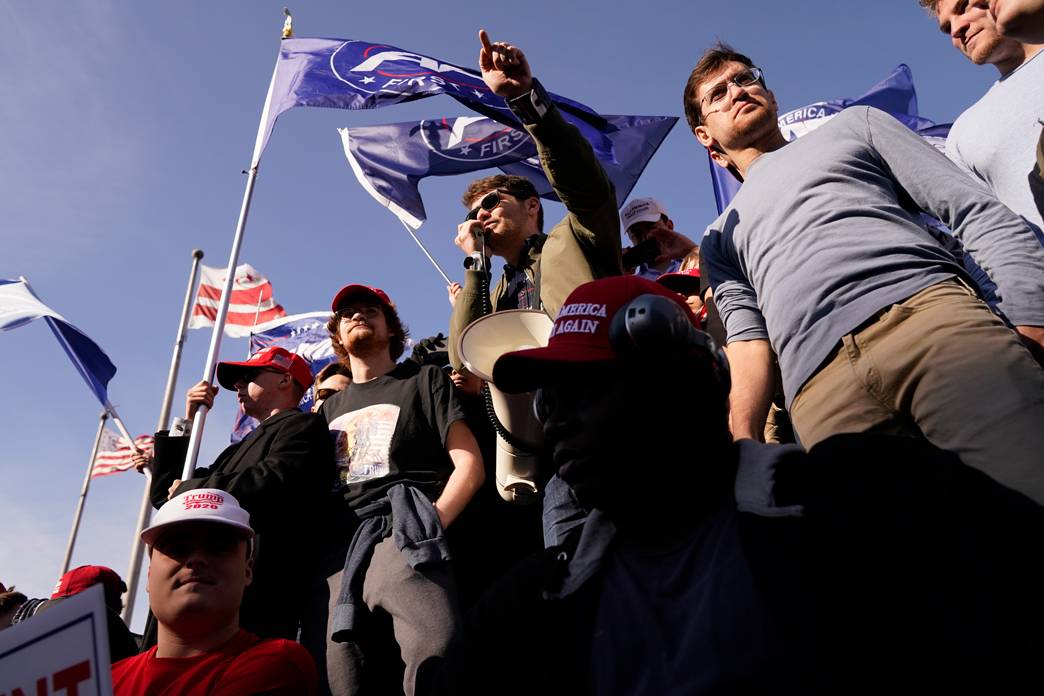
<point>251,302</point>
<point>114,453</point>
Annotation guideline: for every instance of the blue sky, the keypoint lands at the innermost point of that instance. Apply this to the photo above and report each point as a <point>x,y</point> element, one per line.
<point>126,127</point>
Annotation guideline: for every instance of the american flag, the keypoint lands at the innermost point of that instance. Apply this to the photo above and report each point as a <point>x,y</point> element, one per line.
<point>114,453</point>
<point>251,301</point>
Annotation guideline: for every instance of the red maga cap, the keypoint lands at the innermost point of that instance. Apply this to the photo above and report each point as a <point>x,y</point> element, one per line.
<point>349,291</point>
<point>685,282</point>
<point>274,358</point>
<point>79,579</point>
<point>580,333</point>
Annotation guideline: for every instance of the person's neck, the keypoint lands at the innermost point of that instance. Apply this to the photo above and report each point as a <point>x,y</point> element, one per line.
<point>267,413</point>
<point>515,253</point>
<point>1009,65</point>
<point>170,643</point>
<point>745,156</point>
<point>366,368</point>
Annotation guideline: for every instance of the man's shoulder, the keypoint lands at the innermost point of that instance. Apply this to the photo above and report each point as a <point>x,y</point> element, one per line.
<point>291,419</point>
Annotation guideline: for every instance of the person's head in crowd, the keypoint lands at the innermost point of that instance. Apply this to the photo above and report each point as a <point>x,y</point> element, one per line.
<point>1019,19</point>
<point>641,216</point>
<point>365,325</point>
<point>631,394</point>
<point>687,284</point>
<point>730,109</point>
<point>973,31</point>
<point>79,579</point>
<point>333,378</point>
<point>271,380</point>
<point>10,600</point>
<point>506,211</point>
<point>199,546</point>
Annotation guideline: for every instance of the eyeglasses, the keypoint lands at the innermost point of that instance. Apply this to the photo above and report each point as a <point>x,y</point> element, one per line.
<point>490,201</point>
<point>368,312</point>
<point>249,375</point>
<point>717,94</point>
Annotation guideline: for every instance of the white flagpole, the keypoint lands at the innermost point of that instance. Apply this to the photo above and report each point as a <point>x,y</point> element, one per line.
<point>425,250</point>
<point>83,494</point>
<point>144,513</point>
<point>196,438</point>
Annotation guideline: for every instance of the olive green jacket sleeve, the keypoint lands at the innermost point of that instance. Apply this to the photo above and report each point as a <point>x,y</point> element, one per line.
<point>583,246</point>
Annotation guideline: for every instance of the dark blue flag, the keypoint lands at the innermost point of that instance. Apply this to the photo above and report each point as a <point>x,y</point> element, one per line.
<point>894,95</point>
<point>304,334</point>
<point>390,160</point>
<point>348,74</point>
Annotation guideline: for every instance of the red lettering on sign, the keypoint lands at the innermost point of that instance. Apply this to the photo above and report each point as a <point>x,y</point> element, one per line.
<point>69,678</point>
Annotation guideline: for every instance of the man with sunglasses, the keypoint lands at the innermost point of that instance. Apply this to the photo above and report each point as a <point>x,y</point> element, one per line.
<point>281,474</point>
<point>333,378</point>
<point>505,216</point>
<point>822,257</point>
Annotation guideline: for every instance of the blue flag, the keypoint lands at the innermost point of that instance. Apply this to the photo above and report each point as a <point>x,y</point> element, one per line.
<point>304,334</point>
<point>348,74</point>
<point>19,306</point>
<point>894,95</point>
<point>390,160</point>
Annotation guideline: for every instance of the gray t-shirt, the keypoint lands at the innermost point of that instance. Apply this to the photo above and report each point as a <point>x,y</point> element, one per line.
<point>995,140</point>
<point>826,231</point>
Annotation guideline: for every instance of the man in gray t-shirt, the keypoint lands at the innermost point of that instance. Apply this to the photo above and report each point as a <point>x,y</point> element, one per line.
<point>995,139</point>
<point>822,257</point>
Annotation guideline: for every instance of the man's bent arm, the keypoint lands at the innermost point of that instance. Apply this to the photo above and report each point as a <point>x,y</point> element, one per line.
<point>472,302</point>
<point>753,382</point>
<point>468,473</point>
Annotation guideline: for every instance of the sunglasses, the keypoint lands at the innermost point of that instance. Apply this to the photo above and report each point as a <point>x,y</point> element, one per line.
<point>251,374</point>
<point>324,394</point>
<point>369,312</point>
<point>490,201</point>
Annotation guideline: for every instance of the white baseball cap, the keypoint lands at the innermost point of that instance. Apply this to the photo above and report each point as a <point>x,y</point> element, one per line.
<point>641,210</point>
<point>200,505</point>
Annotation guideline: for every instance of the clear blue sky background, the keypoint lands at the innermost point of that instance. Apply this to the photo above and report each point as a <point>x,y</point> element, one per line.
<point>125,128</point>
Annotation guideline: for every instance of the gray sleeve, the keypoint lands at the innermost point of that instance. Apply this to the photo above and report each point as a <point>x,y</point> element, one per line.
<point>1000,241</point>
<point>736,300</point>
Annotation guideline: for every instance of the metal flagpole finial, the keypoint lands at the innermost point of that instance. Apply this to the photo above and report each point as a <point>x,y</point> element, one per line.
<point>288,24</point>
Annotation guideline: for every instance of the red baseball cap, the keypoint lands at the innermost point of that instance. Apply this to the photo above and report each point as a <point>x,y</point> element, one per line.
<point>685,282</point>
<point>79,579</point>
<point>349,291</point>
<point>273,357</point>
<point>580,333</point>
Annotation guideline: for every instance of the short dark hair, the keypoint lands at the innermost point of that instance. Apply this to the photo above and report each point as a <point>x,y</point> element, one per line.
<point>709,63</point>
<point>399,333</point>
<point>930,5</point>
<point>11,599</point>
<point>518,186</point>
<point>330,369</point>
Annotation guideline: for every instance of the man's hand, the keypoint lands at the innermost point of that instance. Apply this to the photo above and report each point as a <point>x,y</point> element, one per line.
<point>142,461</point>
<point>504,68</point>
<point>452,290</point>
<point>673,245</point>
<point>202,393</point>
<point>173,487</point>
<point>469,237</point>
<point>1033,338</point>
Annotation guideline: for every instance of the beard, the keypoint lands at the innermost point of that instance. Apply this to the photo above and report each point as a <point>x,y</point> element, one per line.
<point>986,43</point>
<point>362,340</point>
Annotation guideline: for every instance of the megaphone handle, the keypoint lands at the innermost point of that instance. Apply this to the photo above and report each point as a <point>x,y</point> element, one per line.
<point>524,447</point>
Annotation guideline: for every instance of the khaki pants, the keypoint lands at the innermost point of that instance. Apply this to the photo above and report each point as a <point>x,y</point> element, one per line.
<point>942,365</point>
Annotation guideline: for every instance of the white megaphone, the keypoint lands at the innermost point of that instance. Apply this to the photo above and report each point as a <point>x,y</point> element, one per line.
<point>480,344</point>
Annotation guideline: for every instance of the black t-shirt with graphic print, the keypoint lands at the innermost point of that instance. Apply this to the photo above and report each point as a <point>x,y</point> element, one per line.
<point>393,430</point>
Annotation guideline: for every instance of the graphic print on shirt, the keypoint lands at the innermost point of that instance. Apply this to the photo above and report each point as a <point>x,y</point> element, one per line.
<point>362,442</point>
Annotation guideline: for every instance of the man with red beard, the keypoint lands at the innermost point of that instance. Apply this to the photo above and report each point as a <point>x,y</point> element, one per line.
<point>407,465</point>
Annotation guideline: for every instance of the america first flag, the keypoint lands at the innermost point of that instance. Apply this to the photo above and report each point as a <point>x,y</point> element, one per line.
<point>251,303</point>
<point>114,453</point>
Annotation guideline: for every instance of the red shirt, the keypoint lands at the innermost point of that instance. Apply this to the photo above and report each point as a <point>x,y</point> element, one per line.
<point>244,665</point>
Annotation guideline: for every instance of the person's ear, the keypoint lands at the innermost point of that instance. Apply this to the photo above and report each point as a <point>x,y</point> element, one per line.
<point>249,571</point>
<point>533,207</point>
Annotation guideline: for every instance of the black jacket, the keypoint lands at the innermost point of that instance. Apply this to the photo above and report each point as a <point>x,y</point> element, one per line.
<point>282,474</point>
<point>907,572</point>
